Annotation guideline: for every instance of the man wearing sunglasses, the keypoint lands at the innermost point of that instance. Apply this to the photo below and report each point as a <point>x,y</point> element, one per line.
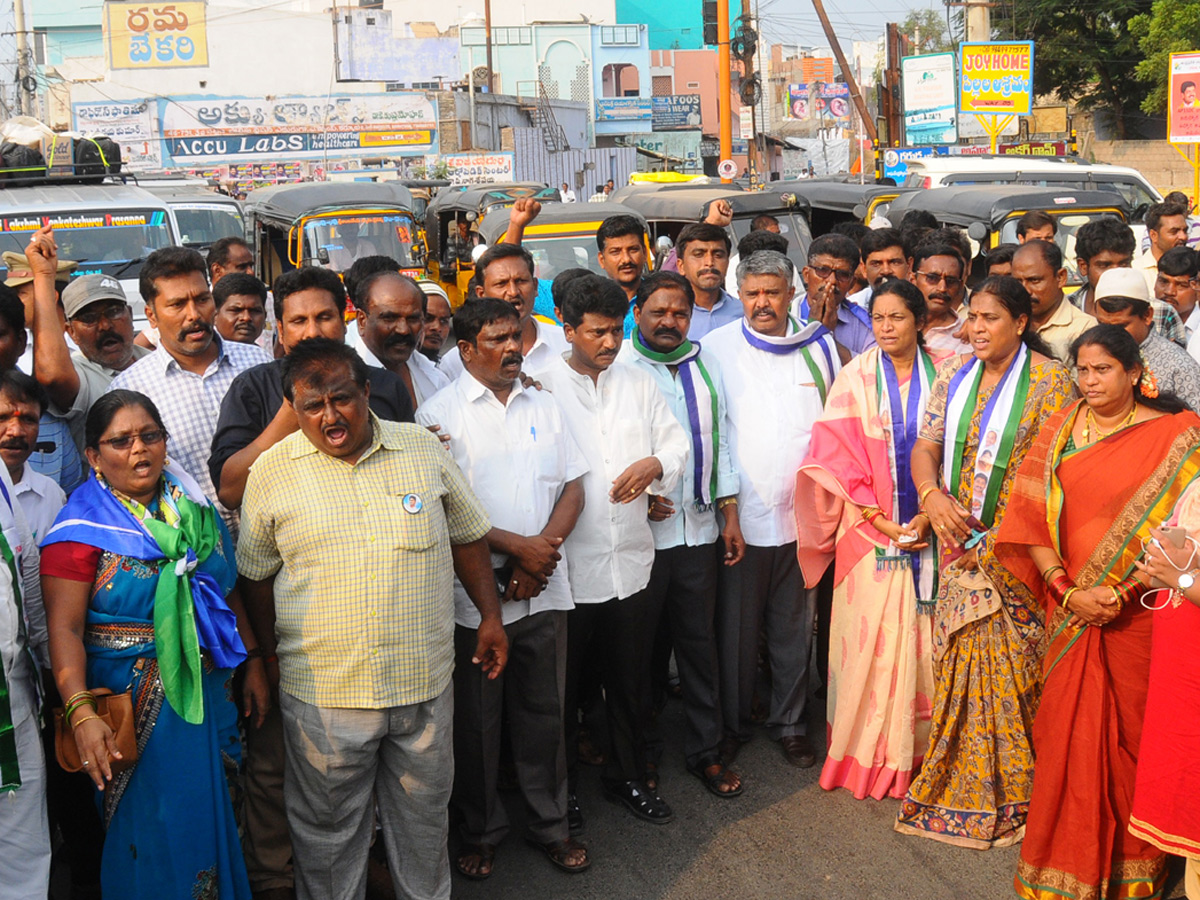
<point>99,322</point>
<point>832,261</point>
<point>938,269</point>
<point>1038,265</point>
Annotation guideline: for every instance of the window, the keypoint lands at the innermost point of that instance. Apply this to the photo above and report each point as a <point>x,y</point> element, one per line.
<point>661,86</point>
<point>39,48</point>
<point>619,35</point>
<point>477,37</point>
<point>472,37</point>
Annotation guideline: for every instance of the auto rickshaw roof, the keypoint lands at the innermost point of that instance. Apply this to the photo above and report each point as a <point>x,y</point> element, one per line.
<point>690,202</point>
<point>495,223</point>
<point>993,202</point>
<point>291,201</point>
<point>474,196</point>
<point>839,196</point>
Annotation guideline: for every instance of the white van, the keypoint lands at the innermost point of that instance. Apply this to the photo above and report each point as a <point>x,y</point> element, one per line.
<point>1050,171</point>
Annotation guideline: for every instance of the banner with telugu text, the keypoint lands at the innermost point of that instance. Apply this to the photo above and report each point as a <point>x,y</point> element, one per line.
<point>155,36</point>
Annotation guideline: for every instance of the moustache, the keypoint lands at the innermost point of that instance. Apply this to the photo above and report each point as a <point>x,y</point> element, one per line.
<point>512,359</point>
<point>109,338</point>
<point>716,272</point>
<point>764,312</point>
<point>668,332</point>
<point>14,444</point>
<point>198,328</point>
<point>940,295</point>
<point>401,340</point>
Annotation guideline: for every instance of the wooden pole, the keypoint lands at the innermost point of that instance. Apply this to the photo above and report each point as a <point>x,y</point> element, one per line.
<point>847,73</point>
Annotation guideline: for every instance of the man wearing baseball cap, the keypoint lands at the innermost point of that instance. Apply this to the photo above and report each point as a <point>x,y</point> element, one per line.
<point>99,321</point>
<point>1123,298</point>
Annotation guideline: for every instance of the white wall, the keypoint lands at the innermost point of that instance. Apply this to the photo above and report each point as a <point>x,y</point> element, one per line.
<point>504,12</point>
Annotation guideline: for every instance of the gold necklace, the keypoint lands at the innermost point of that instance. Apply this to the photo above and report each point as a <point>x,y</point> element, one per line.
<point>1089,422</point>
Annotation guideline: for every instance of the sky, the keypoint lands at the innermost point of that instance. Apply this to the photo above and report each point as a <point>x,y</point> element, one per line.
<point>789,21</point>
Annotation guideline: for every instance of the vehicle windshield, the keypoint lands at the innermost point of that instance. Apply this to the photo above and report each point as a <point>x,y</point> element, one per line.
<point>791,226</point>
<point>350,237</point>
<point>202,224</point>
<point>1067,224</point>
<point>110,243</point>
<point>554,255</point>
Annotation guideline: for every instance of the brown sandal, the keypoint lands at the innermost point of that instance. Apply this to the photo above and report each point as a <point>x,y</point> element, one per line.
<point>558,852</point>
<point>487,857</point>
<point>715,780</point>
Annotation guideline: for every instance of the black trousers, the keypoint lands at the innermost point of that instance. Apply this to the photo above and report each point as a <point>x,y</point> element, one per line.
<point>530,693</point>
<point>622,634</point>
<point>683,592</point>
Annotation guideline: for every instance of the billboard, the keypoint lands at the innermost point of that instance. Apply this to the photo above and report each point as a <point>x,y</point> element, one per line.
<point>140,36</point>
<point>676,112</point>
<point>826,104</point>
<point>1183,99</point>
<point>133,124</point>
<point>996,79</point>
<point>929,86</point>
<point>623,109</point>
<point>242,129</point>
<point>479,168</point>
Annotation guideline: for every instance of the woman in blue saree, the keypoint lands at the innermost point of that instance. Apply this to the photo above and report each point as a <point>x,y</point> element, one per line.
<point>138,573</point>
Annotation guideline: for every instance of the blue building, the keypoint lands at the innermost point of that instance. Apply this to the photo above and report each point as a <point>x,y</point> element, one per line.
<point>65,29</point>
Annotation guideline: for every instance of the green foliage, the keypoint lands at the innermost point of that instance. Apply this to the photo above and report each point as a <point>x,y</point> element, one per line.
<point>927,29</point>
<point>1171,26</point>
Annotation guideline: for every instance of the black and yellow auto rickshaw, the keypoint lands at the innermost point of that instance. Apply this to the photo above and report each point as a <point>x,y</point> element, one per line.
<point>451,232</point>
<point>667,208</point>
<point>332,224</point>
<point>834,202</point>
<point>990,213</point>
<point>563,236</point>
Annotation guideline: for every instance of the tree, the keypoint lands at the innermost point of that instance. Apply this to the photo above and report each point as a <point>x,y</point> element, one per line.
<point>927,30</point>
<point>1084,51</point>
<point>1171,26</point>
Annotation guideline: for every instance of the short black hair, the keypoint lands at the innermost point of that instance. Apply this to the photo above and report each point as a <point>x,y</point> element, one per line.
<point>879,239</point>
<point>1000,256</point>
<point>313,359</point>
<point>1187,84</point>
<point>596,295</point>
<point>361,268</point>
<point>928,249</point>
<point>306,278</point>
<point>618,226</point>
<point>856,231</point>
<point>168,262</point>
<point>762,240</point>
<point>219,252</point>
<point>24,388</point>
<point>838,246</point>
<point>918,218</point>
<point>1180,261</point>
<point>1034,219</point>
<point>362,294</point>
<point>493,254</point>
<point>1159,211</point>
<point>1106,233</point>
<point>949,234</point>
<point>761,221</point>
<point>478,312</point>
<point>663,280</point>
<point>1050,252</point>
<point>12,310</point>
<point>703,232</point>
<point>240,284</point>
<point>558,287</point>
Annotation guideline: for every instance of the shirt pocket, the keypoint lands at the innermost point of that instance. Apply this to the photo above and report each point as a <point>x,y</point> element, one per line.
<point>543,451</point>
<point>415,518</point>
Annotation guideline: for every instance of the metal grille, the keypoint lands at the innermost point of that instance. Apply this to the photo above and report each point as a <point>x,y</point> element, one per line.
<point>660,86</point>
<point>548,82</point>
<point>581,85</point>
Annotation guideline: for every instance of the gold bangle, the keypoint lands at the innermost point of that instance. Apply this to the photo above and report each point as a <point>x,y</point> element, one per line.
<point>77,695</point>
<point>926,493</point>
<point>85,719</point>
<point>929,481</point>
<point>1066,600</point>
<point>869,512</point>
<point>726,501</point>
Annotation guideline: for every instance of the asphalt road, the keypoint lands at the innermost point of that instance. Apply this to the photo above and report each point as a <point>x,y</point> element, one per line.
<point>784,837</point>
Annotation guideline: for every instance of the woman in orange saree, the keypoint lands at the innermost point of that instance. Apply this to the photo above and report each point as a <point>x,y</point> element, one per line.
<point>1101,475</point>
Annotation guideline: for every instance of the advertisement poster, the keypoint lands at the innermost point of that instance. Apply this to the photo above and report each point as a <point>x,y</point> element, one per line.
<point>677,112</point>
<point>623,109</point>
<point>996,79</point>
<point>479,168</point>
<point>1183,99</point>
<point>930,94</point>
<point>141,36</point>
<point>236,129</point>
<point>130,123</point>
<point>826,104</point>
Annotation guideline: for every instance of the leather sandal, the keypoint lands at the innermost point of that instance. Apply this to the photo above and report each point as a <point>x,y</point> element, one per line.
<point>713,774</point>
<point>558,852</point>
<point>644,804</point>
<point>487,857</point>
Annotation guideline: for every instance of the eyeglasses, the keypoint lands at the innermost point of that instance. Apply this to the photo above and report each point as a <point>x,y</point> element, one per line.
<point>933,278</point>
<point>114,312</point>
<point>845,276</point>
<point>125,441</point>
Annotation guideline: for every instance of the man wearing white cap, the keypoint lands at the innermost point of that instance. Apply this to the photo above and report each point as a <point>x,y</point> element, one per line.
<point>438,317</point>
<point>99,322</point>
<point>1122,298</point>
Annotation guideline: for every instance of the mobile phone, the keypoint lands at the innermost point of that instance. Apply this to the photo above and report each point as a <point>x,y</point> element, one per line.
<point>1175,536</point>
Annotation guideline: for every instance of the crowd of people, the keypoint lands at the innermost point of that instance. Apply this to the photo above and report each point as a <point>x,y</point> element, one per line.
<point>352,577</point>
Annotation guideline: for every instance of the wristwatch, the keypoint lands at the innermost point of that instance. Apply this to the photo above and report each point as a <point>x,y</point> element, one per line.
<point>1186,580</point>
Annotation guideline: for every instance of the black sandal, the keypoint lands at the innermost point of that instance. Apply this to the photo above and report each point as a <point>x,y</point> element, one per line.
<point>487,857</point>
<point>716,780</point>
<point>557,852</point>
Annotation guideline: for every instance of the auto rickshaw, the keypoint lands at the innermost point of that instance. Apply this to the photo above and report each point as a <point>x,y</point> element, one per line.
<point>451,227</point>
<point>423,191</point>
<point>834,202</point>
<point>331,225</point>
<point>989,213</point>
<point>563,236</point>
<point>667,208</point>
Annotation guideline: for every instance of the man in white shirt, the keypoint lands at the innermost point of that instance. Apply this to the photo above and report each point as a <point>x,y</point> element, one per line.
<point>1178,278</point>
<point>506,272</point>
<point>190,372</point>
<point>633,445</point>
<point>1167,226</point>
<point>526,470</point>
<point>24,825</point>
<point>391,316</point>
<point>777,375</point>
<point>22,401</point>
<point>568,195</point>
<point>690,539</point>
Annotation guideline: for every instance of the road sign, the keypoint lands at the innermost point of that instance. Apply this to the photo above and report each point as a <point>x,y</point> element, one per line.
<point>727,168</point>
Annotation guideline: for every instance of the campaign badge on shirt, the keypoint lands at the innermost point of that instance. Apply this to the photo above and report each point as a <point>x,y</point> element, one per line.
<point>412,504</point>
